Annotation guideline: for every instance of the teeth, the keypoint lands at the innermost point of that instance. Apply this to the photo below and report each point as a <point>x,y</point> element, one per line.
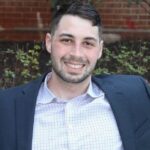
<point>75,66</point>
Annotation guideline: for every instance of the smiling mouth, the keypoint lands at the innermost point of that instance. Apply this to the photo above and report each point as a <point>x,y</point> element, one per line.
<point>74,65</point>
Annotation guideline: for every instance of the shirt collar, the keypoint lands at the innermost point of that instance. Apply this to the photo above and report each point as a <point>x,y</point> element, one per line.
<point>94,91</point>
<point>45,95</point>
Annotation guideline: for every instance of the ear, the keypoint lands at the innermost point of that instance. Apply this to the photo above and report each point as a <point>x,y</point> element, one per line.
<point>100,49</point>
<point>48,41</point>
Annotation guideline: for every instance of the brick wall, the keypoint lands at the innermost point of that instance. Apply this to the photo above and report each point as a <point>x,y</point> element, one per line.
<point>21,20</point>
<point>128,20</point>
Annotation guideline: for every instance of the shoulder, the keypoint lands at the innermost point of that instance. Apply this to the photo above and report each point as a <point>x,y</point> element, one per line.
<point>135,90</point>
<point>120,79</point>
<point>11,93</point>
<point>126,83</point>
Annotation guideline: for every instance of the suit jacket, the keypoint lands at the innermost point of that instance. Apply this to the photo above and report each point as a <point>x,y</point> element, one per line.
<point>129,97</point>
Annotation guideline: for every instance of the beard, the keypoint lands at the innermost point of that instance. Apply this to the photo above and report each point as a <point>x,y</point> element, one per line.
<point>57,67</point>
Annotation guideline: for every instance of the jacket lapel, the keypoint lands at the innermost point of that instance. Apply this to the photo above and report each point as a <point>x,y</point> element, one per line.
<point>25,108</point>
<point>121,111</point>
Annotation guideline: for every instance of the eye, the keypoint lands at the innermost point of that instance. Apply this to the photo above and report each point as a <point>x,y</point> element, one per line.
<point>88,44</point>
<point>66,41</point>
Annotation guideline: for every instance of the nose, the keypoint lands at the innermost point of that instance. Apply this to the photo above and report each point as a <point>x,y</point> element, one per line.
<point>77,50</point>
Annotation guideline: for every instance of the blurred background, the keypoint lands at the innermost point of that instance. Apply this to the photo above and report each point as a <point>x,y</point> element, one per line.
<point>23,24</point>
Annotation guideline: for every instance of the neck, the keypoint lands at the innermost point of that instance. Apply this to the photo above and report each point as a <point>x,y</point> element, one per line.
<point>67,90</point>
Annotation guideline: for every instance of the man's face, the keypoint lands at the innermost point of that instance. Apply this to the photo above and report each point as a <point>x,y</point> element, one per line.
<point>74,48</point>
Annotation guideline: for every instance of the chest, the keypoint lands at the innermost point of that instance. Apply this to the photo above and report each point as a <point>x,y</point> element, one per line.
<point>76,126</point>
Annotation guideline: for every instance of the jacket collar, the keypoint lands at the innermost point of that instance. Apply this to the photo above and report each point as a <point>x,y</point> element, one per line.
<point>25,107</point>
<point>119,104</point>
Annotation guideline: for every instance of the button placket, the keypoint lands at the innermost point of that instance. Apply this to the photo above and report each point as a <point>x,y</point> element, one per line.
<point>69,118</point>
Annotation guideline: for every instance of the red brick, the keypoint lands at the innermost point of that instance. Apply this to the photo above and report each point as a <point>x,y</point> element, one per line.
<point>144,17</point>
<point>115,14</point>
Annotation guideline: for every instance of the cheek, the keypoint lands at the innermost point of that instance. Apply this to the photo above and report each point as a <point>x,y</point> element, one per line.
<point>56,50</point>
<point>93,57</point>
<point>59,49</point>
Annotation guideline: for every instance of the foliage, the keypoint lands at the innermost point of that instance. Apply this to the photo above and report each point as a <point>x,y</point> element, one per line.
<point>126,58</point>
<point>20,66</point>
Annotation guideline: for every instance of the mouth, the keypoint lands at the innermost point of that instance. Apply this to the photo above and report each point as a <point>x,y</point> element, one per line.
<point>74,67</point>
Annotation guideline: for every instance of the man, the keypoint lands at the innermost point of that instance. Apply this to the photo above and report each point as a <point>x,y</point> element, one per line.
<point>68,108</point>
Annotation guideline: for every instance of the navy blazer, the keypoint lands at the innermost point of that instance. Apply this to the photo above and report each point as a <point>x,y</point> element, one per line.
<point>129,97</point>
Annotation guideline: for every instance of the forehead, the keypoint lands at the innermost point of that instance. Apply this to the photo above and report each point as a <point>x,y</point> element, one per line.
<point>77,26</point>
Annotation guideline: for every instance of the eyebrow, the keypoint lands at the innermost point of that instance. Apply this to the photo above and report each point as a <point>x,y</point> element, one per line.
<point>66,34</point>
<point>71,36</point>
<point>91,38</point>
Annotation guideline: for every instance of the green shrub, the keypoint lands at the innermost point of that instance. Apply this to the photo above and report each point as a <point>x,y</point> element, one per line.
<point>126,58</point>
<point>23,67</point>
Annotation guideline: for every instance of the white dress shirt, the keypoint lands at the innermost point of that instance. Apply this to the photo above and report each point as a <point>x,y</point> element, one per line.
<point>85,122</point>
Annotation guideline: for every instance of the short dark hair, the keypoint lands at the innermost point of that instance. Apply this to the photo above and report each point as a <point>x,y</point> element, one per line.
<point>82,9</point>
